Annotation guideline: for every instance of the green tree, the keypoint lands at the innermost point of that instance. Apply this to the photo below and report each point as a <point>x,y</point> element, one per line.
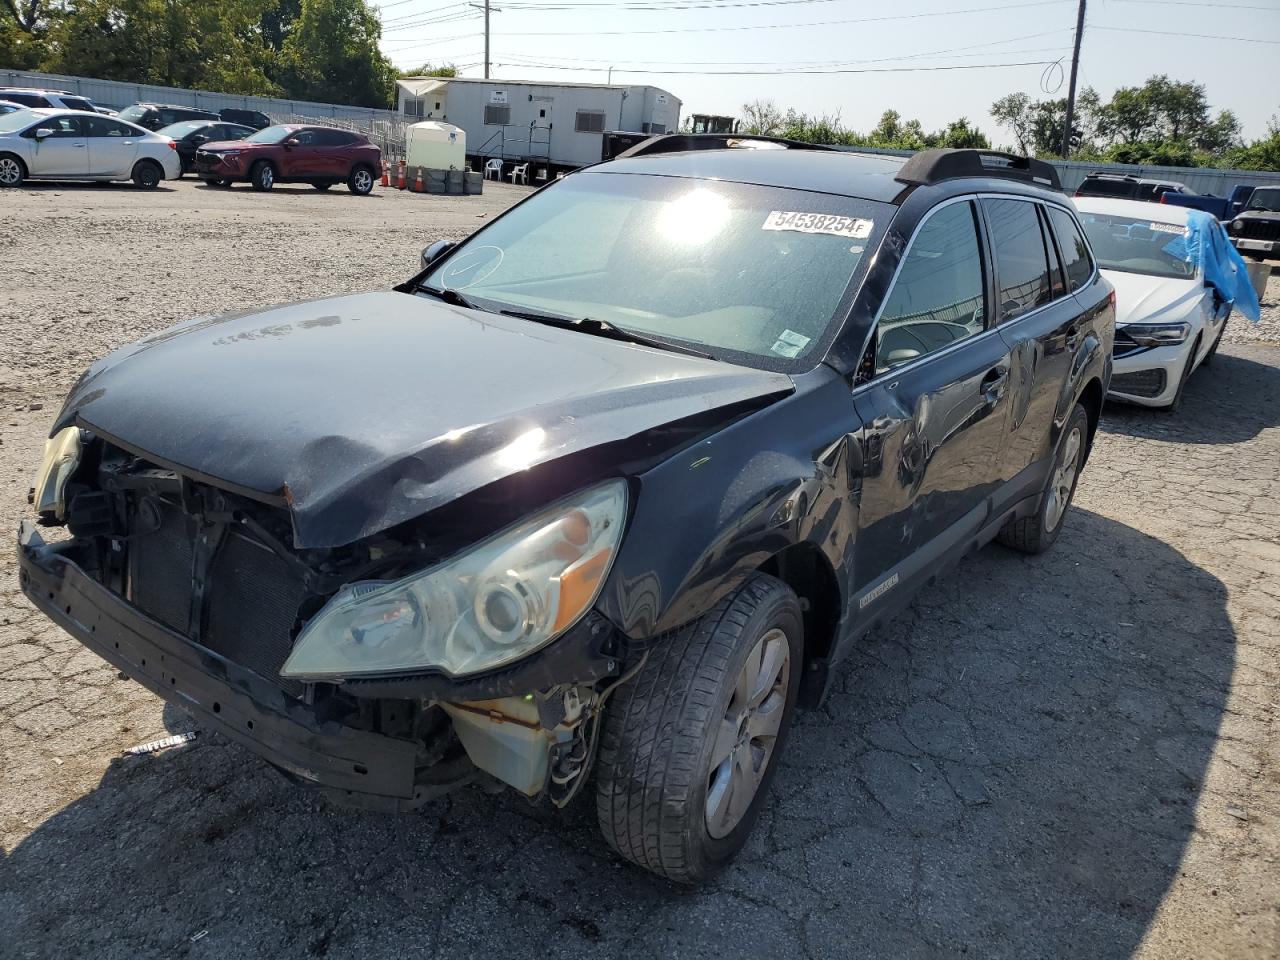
<point>1262,154</point>
<point>331,54</point>
<point>204,44</point>
<point>762,118</point>
<point>427,70</point>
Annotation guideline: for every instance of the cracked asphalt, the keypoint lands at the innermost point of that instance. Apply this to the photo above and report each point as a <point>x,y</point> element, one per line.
<point>1072,755</point>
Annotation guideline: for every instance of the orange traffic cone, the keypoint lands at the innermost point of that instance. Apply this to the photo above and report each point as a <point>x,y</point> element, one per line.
<point>386,177</point>
<point>417,183</point>
<point>400,176</point>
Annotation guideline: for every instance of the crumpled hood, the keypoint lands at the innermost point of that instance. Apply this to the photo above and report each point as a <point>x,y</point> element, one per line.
<point>1141,298</point>
<point>364,411</point>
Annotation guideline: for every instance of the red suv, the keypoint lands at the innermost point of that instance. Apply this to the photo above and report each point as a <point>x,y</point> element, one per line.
<point>289,153</point>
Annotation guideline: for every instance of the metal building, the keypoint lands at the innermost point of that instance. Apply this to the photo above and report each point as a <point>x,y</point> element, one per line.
<point>552,125</point>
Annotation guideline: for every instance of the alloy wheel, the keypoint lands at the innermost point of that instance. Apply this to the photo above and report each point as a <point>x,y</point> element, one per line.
<point>363,181</point>
<point>1064,480</point>
<point>748,733</point>
<point>10,171</point>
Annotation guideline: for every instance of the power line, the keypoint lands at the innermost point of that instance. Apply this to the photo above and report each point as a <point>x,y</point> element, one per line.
<point>786,72</point>
<point>1192,3</point>
<point>1171,33</point>
<point>782,26</point>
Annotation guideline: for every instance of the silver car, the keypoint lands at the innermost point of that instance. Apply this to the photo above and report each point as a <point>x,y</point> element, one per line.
<point>75,145</point>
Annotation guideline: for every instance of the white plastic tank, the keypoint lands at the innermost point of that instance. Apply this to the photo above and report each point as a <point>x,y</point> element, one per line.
<point>436,146</point>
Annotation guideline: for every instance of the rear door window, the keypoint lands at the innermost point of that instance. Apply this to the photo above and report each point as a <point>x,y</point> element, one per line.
<point>1021,261</point>
<point>1076,261</point>
<point>938,296</point>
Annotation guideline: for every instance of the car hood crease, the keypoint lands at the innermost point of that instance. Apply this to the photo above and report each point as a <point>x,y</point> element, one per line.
<point>365,411</point>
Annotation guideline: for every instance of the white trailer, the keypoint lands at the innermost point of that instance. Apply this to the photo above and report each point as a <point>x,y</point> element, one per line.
<point>548,125</point>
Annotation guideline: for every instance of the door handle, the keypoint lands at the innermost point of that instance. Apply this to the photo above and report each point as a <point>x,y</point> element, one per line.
<point>993,383</point>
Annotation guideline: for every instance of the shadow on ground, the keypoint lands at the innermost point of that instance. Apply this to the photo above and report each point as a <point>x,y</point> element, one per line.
<point>1007,771</point>
<point>1230,401</point>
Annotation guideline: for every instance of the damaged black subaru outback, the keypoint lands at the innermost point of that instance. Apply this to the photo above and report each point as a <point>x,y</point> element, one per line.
<point>602,494</point>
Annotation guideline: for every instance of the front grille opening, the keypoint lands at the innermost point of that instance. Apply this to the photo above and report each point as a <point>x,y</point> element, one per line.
<point>1141,383</point>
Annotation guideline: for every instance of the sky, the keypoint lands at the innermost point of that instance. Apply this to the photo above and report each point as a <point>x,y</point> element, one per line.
<point>716,55</point>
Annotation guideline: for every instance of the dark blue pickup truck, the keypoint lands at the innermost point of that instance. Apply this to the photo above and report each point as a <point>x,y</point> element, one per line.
<point>1223,208</point>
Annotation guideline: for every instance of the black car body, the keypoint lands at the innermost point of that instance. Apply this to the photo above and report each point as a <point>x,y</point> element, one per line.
<point>1123,187</point>
<point>1255,230</point>
<point>913,362</point>
<point>153,116</point>
<point>191,135</point>
<point>246,118</point>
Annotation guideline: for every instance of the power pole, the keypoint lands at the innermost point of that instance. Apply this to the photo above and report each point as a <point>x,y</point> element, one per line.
<point>486,47</point>
<point>1071,88</point>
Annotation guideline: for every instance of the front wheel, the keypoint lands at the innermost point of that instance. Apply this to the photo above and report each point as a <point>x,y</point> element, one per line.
<point>360,182</point>
<point>12,171</point>
<point>262,176</point>
<point>690,744</point>
<point>147,175</point>
<point>1037,533</point>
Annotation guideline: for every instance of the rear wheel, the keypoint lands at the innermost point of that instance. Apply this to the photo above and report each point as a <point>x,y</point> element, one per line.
<point>690,744</point>
<point>147,175</point>
<point>12,170</point>
<point>360,182</point>
<point>1037,533</point>
<point>262,176</point>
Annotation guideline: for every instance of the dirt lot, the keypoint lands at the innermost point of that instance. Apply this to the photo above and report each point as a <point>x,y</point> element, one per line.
<point>1074,755</point>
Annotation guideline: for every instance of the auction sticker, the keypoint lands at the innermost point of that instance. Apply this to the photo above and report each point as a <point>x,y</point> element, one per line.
<point>828,223</point>
<point>1168,228</point>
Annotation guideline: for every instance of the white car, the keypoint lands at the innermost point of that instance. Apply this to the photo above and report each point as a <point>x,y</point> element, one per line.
<point>74,145</point>
<point>1168,321</point>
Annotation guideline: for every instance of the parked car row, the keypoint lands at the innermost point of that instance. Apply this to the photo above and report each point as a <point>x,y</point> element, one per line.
<point>63,144</point>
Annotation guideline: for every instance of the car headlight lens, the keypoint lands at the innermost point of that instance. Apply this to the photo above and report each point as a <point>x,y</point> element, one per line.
<point>497,602</point>
<point>1157,334</point>
<point>61,457</point>
<point>1236,226</point>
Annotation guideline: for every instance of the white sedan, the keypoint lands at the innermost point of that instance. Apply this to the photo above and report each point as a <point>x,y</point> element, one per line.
<point>1168,321</point>
<point>75,145</point>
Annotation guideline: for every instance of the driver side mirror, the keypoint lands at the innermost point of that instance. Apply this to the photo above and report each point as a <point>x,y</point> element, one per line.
<point>436,251</point>
<point>900,356</point>
<point>44,132</point>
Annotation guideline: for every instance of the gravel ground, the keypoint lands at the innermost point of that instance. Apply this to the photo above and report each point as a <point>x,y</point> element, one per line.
<point>1072,755</point>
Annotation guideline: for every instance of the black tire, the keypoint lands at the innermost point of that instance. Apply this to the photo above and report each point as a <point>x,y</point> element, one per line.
<point>660,730</point>
<point>360,181</point>
<point>262,176</point>
<point>1213,351</point>
<point>12,170</point>
<point>218,183</point>
<point>147,175</point>
<point>322,185</point>
<point>1173,405</point>
<point>1038,532</point>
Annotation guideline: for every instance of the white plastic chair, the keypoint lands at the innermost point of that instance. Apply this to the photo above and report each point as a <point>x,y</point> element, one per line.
<point>495,167</point>
<point>520,170</point>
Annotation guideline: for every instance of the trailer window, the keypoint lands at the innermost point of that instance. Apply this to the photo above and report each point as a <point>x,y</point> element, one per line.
<point>589,121</point>
<point>497,114</point>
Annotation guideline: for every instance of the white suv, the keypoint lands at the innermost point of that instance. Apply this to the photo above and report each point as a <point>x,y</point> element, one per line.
<point>55,99</point>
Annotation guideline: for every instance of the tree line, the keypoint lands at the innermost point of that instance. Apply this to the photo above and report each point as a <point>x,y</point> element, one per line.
<point>1163,122</point>
<point>324,50</point>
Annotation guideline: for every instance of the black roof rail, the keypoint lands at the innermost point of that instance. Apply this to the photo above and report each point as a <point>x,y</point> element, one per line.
<point>687,142</point>
<point>934,166</point>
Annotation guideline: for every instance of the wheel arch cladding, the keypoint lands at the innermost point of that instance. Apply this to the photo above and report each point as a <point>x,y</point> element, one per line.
<point>810,575</point>
<point>1091,398</point>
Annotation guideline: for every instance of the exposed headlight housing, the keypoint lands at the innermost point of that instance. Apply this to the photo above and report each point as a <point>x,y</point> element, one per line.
<point>1236,226</point>
<point>497,602</point>
<point>1157,334</point>
<point>61,457</point>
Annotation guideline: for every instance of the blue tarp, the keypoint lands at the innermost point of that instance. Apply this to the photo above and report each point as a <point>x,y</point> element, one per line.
<point>1205,243</point>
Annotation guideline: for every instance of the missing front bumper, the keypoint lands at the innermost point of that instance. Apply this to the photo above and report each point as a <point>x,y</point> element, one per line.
<point>370,769</point>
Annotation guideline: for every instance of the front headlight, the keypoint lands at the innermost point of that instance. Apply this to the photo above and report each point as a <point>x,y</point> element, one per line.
<point>1157,334</point>
<point>495,603</point>
<point>61,457</point>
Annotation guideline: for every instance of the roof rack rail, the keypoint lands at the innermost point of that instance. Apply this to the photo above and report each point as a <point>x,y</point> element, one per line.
<point>933,166</point>
<point>688,142</point>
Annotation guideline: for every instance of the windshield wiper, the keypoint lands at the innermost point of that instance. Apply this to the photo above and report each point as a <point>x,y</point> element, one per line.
<point>449,295</point>
<point>603,328</point>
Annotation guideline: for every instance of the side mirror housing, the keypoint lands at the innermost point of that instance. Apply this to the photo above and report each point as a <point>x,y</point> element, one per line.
<point>435,251</point>
<point>43,132</point>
